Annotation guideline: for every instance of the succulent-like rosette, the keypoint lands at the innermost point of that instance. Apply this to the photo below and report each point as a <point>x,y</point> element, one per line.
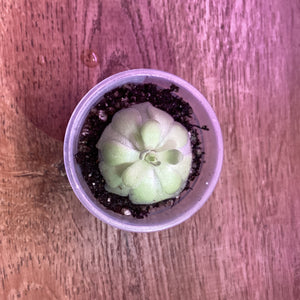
<point>144,154</point>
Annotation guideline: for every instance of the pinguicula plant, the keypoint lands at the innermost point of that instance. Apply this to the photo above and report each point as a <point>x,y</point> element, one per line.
<point>144,154</point>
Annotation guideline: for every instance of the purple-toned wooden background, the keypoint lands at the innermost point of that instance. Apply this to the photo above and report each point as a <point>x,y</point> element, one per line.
<point>244,57</point>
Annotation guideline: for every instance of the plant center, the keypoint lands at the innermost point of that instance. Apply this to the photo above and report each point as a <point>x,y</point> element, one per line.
<point>150,157</point>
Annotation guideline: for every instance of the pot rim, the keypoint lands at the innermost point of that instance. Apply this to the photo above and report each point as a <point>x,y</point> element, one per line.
<point>91,99</point>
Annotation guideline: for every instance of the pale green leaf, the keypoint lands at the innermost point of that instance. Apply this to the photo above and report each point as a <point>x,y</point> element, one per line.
<point>134,174</point>
<point>120,190</point>
<point>164,119</point>
<point>169,179</point>
<point>151,134</point>
<point>146,191</point>
<point>114,153</point>
<point>184,166</point>
<point>172,157</point>
<point>127,122</point>
<point>112,174</point>
<point>177,136</point>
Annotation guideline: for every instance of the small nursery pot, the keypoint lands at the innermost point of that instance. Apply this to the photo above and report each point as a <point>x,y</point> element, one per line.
<point>211,140</point>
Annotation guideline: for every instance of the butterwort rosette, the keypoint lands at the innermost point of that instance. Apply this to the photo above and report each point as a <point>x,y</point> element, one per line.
<point>144,154</point>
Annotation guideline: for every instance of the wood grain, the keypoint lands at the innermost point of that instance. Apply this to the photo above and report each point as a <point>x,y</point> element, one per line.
<point>244,57</point>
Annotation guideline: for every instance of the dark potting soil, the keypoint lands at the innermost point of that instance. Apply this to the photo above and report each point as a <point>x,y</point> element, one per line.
<point>101,115</point>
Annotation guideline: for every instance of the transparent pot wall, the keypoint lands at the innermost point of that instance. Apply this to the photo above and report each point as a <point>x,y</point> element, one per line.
<point>211,143</point>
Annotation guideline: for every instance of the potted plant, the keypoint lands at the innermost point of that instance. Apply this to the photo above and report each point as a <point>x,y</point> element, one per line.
<point>145,157</point>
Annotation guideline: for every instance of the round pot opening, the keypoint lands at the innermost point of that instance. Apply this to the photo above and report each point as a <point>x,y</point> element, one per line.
<point>202,187</point>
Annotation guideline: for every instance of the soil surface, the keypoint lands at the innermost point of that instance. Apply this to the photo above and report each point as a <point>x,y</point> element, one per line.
<point>101,115</point>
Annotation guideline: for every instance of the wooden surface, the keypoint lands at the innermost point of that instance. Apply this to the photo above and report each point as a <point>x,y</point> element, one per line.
<point>244,57</point>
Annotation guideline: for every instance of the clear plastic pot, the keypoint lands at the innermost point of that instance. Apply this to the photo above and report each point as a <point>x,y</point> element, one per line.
<point>202,187</point>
